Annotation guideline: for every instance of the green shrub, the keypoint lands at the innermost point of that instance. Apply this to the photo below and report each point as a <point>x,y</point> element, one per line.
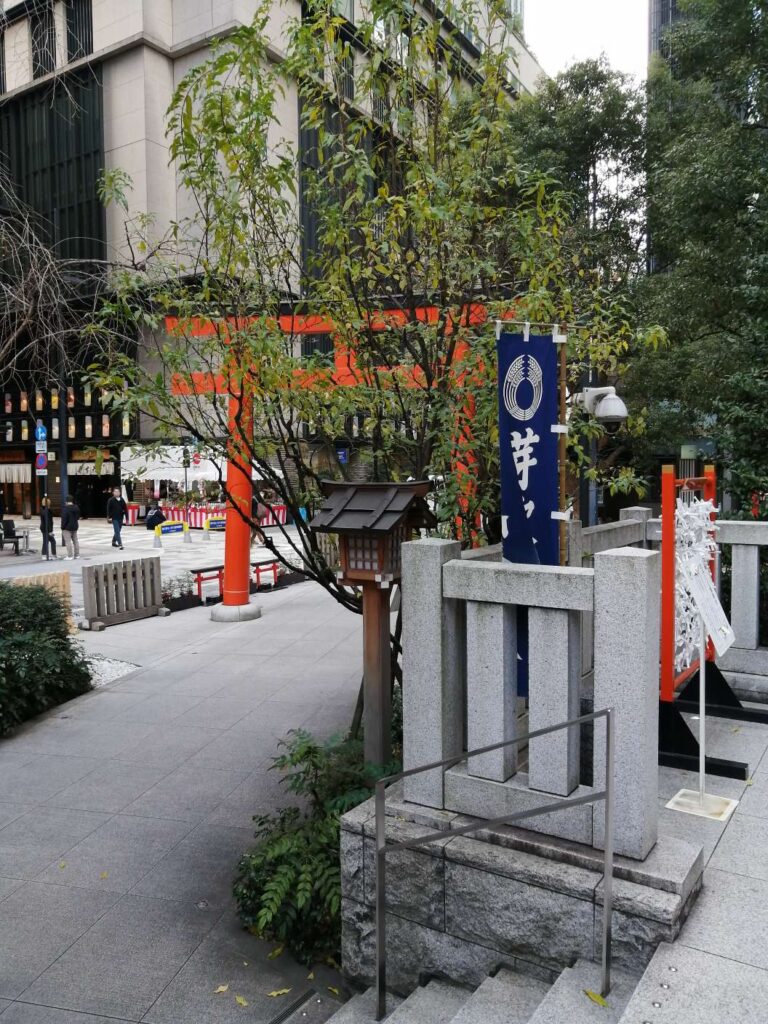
<point>40,665</point>
<point>289,887</point>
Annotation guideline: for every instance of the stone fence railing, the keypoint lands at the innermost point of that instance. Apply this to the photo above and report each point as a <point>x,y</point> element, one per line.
<point>460,666</point>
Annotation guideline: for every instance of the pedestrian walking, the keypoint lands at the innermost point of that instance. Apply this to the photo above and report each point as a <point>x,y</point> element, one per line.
<point>46,527</point>
<point>70,522</point>
<point>117,513</point>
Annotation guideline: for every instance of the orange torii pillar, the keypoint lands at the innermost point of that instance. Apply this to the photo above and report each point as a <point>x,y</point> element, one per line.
<point>236,606</point>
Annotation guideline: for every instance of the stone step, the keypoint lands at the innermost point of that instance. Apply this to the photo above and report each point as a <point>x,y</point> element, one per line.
<point>361,1009</point>
<point>435,1003</point>
<point>682,985</point>
<point>567,1001</point>
<point>507,998</point>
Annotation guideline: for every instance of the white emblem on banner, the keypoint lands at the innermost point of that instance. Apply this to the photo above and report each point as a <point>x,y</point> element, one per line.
<point>523,369</point>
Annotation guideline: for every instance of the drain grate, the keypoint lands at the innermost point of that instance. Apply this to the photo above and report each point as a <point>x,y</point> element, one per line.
<point>306,999</point>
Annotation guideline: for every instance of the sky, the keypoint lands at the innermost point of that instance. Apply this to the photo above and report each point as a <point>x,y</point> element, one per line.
<point>563,31</point>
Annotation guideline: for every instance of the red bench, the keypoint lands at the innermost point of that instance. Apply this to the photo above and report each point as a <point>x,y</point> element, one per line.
<point>216,572</point>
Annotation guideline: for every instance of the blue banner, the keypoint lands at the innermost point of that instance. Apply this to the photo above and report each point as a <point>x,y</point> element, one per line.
<point>528,410</point>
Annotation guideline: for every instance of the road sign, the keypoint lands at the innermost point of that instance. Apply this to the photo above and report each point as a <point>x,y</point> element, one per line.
<point>196,458</point>
<point>41,462</point>
<point>41,434</point>
<point>41,446</point>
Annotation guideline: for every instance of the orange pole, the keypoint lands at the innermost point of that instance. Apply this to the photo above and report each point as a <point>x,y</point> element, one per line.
<point>237,535</point>
<point>668,496</point>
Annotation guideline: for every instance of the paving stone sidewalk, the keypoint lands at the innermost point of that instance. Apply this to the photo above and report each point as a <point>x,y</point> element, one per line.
<point>124,812</point>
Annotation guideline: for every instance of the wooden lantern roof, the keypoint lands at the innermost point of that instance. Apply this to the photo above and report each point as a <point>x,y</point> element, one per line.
<point>374,509</point>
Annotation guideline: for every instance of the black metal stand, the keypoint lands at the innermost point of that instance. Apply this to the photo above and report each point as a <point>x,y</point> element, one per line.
<point>721,700</point>
<point>679,748</point>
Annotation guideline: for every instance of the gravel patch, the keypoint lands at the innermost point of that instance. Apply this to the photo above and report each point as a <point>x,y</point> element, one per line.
<point>107,670</point>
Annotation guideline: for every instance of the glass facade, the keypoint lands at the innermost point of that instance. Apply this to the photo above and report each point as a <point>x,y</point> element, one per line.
<point>662,14</point>
<point>51,145</point>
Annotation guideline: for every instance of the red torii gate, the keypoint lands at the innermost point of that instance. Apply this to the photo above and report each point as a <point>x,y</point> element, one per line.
<point>237,538</point>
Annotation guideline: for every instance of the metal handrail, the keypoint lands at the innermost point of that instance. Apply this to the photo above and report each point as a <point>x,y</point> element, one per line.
<point>382,849</point>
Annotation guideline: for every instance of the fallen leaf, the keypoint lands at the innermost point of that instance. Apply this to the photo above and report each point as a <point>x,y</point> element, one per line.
<point>311,976</point>
<point>62,864</point>
<point>750,782</point>
<point>104,875</point>
<point>245,963</point>
<point>241,1001</point>
<point>220,989</point>
<point>333,991</point>
<point>595,997</point>
<point>736,728</point>
<point>278,992</point>
<point>276,952</point>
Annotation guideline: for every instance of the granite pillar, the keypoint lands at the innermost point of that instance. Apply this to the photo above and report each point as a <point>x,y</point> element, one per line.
<point>554,662</point>
<point>491,687</point>
<point>745,595</point>
<point>627,615</point>
<point>433,667</point>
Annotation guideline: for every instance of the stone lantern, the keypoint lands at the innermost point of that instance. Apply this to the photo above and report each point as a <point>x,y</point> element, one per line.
<point>372,521</point>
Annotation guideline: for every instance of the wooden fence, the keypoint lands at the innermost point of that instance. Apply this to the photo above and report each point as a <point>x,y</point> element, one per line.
<point>121,591</point>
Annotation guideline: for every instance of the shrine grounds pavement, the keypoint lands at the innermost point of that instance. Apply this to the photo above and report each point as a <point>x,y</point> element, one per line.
<point>124,812</point>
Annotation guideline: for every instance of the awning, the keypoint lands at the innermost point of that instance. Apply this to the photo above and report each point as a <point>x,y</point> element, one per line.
<point>146,463</point>
<point>15,473</point>
<point>168,464</point>
<point>89,469</point>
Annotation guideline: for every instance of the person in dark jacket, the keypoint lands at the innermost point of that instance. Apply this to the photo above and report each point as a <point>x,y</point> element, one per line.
<point>70,522</point>
<point>154,516</point>
<point>117,513</point>
<point>46,527</point>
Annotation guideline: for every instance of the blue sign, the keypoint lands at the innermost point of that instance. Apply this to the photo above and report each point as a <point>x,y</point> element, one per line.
<point>171,527</point>
<point>41,433</point>
<point>41,461</point>
<point>342,454</point>
<point>528,410</point>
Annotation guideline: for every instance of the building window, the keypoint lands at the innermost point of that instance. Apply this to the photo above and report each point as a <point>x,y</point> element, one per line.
<point>126,425</point>
<point>345,9</point>
<point>79,29</point>
<point>43,35</point>
<point>52,143</point>
<point>70,426</point>
<point>8,431</point>
<point>54,398</point>
<point>70,398</point>
<point>317,345</point>
<point>8,402</point>
<point>347,77</point>
<point>23,403</point>
<point>55,428</point>
<point>87,397</point>
<point>105,425</point>
<point>24,430</point>
<point>38,400</point>
<point>89,426</point>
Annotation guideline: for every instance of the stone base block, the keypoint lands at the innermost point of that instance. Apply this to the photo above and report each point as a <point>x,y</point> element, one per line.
<point>465,905</point>
<point>749,687</point>
<point>483,798</point>
<point>235,612</point>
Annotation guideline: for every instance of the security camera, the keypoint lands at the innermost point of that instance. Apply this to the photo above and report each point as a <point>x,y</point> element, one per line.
<point>605,405</point>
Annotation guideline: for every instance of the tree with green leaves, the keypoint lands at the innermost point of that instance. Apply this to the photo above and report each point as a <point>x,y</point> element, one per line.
<point>708,229</point>
<point>426,227</point>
